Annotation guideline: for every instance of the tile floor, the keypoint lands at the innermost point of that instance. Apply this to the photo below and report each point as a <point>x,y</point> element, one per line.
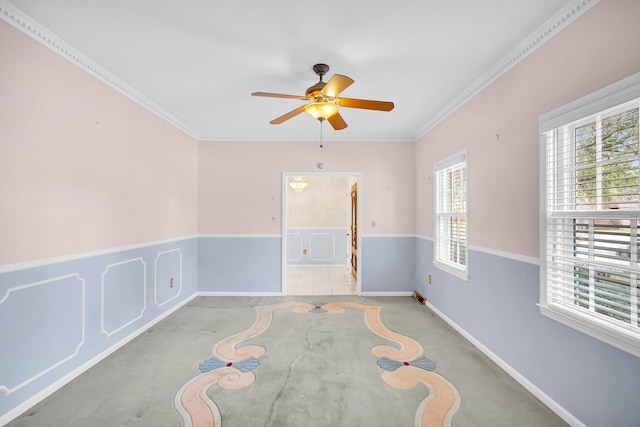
<point>320,281</point>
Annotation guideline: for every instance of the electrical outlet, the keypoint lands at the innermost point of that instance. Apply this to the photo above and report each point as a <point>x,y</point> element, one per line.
<point>171,282</point>
<point>429,279</point>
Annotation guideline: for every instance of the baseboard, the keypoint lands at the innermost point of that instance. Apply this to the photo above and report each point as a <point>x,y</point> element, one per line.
<point>239,294</point>
<point>280,294</point>
<point>48,391</point>
<point>532,388</point>
<point>319,265</point>
<point>386,294</point>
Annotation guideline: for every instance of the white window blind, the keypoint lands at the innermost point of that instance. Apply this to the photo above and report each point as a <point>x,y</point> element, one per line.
<point>450,244</point>
<point>589,230</point>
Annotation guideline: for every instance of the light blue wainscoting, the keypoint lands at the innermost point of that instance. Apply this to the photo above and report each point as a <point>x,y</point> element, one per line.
<point>239,264</point>
<point>388,263</point>
<point>324,246</point>
<point>57,318</point>
<point>594,382</point>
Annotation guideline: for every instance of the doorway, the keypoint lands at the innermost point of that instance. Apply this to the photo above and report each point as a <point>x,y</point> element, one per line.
<point>319,228</point>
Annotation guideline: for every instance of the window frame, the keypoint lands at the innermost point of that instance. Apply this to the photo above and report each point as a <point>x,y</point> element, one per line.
<point>615,333</point>
<point>448,265</point>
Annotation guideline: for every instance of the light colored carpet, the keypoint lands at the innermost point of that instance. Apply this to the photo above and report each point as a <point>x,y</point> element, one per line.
<point>295,361</point>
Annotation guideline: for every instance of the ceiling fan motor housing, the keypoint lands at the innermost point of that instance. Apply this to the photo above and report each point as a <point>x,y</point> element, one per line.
<point>313,92</point>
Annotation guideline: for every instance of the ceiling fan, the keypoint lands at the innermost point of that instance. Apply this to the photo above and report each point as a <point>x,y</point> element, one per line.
<point>324,100</point>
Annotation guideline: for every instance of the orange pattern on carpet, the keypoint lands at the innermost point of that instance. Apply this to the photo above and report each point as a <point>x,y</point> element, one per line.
<point>232,368</point>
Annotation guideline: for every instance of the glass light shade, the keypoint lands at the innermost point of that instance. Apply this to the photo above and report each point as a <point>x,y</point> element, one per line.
<point>298,184</point>
<point>321,110</point>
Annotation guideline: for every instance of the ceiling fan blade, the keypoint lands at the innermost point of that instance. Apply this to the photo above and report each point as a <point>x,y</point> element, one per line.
<point>287,116</point>
<point>279,95</point>
<point>337,122</point>
<point>335,85</point>
<point>365,104</point>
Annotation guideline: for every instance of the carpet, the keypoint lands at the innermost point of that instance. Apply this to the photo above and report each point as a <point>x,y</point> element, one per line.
<point>309,380</point>
<point>294,361</point>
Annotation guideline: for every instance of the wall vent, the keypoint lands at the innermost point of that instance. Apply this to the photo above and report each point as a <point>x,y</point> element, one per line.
<point>416,296</point>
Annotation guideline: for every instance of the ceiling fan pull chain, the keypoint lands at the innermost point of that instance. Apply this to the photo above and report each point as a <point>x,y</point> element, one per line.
<point>321,132</point>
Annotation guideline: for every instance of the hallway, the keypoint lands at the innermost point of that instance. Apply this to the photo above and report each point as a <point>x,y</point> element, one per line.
<point>320,281</point>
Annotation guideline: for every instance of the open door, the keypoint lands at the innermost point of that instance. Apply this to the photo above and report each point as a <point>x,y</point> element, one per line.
<point>294,226</point>
<point>354,231</point>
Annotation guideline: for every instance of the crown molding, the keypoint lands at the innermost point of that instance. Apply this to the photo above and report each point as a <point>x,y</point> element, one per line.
<point>38,32</point>
<point>307,139</point>
<point>24,23</point>
<point>561,19</point>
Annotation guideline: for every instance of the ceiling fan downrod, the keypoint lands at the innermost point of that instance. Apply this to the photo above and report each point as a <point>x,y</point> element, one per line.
<point>313,91</point>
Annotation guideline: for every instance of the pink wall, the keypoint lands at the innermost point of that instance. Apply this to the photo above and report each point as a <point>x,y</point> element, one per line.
<point>82,167</point>
<point>599,48</point>
<point>240,187</point>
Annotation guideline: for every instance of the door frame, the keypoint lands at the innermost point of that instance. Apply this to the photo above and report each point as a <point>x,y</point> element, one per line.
<point>283,216</point>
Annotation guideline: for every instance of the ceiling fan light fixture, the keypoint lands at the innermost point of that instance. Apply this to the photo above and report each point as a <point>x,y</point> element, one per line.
<point>321,110</point>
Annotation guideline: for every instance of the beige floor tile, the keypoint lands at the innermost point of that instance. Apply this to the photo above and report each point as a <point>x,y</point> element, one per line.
<point>319,281</point>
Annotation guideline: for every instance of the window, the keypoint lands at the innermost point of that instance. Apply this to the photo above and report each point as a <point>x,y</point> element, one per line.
<point>450,245</point>
<point>590,276</point>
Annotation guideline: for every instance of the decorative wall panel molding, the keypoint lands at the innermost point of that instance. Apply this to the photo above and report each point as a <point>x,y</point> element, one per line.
<point>322,247</point>
<point>49,336</point>
<point>123,294</point>
<point>168,276</point>
<point>294,247</point>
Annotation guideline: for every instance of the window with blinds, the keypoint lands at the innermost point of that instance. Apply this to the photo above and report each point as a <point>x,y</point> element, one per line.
<point>589,235</point>
<point>450,243</point>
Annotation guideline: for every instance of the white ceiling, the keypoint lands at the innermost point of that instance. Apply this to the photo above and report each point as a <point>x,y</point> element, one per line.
<point>196,62</point>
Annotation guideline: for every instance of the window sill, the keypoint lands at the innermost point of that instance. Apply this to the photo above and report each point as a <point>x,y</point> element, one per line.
<point>618,337</point>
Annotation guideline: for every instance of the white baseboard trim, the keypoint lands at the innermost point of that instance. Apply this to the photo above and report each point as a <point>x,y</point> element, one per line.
<point>239,294</point>
<point>280,294</point>
<point>318,265</point>
<point>386,294</point>
<point>48,391</point>
<point>532,388</point>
